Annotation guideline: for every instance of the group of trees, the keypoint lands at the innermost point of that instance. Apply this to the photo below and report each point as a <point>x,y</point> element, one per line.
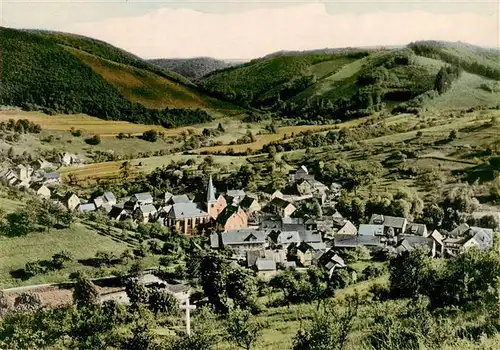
<point>71,86</point>
<point>445,78</point>
<point>35,215</point>
<point>20,126</point>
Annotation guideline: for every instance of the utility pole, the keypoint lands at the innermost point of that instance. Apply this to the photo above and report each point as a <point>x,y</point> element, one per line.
<point>187,307</point>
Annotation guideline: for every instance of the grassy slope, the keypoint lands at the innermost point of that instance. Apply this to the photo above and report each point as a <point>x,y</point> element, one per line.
<point>261,76</point>
<point>78,240</point>
<point>145,87</point>
<point>75,74</point>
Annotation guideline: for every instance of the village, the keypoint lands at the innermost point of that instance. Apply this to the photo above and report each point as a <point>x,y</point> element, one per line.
<point>263,235</point>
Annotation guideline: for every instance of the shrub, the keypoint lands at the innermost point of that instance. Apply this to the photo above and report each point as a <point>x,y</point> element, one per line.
<point>150,135</point>
<point>94,140</point>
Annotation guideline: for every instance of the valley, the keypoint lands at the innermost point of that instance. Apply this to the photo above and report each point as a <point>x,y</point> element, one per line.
<point>306,200</point>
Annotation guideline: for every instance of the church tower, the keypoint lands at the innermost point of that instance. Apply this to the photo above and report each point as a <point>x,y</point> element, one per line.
<point>214,205</point>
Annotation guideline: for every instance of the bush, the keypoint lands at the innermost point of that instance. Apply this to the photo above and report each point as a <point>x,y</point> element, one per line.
<point>372,271</point>
<point>94,140</point>
<point>150,135</point>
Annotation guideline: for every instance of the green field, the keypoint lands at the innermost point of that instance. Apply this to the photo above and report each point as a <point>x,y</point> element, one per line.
<point>79,241</point>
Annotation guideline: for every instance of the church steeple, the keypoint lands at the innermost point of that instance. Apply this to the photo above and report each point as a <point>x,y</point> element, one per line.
<point>211,191</point>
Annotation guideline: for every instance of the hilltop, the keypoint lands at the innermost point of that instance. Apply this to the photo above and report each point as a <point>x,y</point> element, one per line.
<point>192,68</point>
<point>64,73</point>
<point>344,83</point>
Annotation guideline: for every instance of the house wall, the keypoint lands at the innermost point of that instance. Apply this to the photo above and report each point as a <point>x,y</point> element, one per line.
<point>237,221</point>
<point>43,192</point>
<point>287,211</point>
<point>73,202</point>
<point>214,209</point>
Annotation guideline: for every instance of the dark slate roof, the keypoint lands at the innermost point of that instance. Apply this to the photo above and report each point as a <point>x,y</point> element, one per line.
<point>185,210</point>
<point>148,209</point>
<point>280,203</point>
<point>116,211</point>
<point>388,221</point>
<point>288,237</point>
<point>416,229</point>
<point>51,176</point>
<point>265,264</point>
<point>459,230</point>
<point>180,199</point>
<point>143,197</point>
<point>243,236</point>
<point>247,201</point>
<point>483,236</point>
<point>351,241</point>
<point>109,196</point>
<point>226,214</point>
<point>37,185</point>
<point>311,236</point>
<point>370,230</point>
<point>86,207</point>
<point>415,241</point>
<point>235,193</point>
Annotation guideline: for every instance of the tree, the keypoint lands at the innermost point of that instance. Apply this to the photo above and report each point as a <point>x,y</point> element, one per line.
<point>329,329</point>
<point>212,270</point>
<point>242,330</point>
<point>409,273</point>
<point>85,292</point>
<point>94,140</point>
<point>125,169</point>
<point>453,135</point>
<point>321,289</point>
<point>242,288</point>
<point>136,291</point>
<point>59,259</point>
<point>160,301</point>
<point>142,338</point>
<point>150,135</point>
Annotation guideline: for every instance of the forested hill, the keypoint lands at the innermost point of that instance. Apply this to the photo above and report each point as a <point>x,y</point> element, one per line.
<point>322,85</point>
<point>192,68</point>
<point>64,73</point>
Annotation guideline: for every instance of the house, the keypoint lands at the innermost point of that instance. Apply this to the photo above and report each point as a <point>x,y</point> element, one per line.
<point>410,242</point>
<point>232,218</point>
<point>71,201</point>
<point>182,198</point>
<point>51,178</point>
<point>283,239</point>
<point>371,230</point>
<point>466,237</point>
<point>234,197</point>
<point>68,159</point>
<point>186,217</point>
<point>331,262</point>
<point>118,212</point>
<point>164,198</point>
<point>214,205</point>
<point>416,229</point>
<point>393,225</point>
<point>240,241</point>
<point>109,197</point>
<point>266,268</point>
<point>277,255</point>
<point>99,201</point>
<point>180,292</point>
<point>347,229</point>
<point>145,213</point>
<point>141,199</point>
<point>281,207</point>
<point>86,207</point>
<point>40,189</point>
<point>250,204</point>
<point>299,174</point>
<point>44,164</point>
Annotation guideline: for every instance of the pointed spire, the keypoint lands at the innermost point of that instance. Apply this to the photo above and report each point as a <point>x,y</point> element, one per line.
<point>211,191</point>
